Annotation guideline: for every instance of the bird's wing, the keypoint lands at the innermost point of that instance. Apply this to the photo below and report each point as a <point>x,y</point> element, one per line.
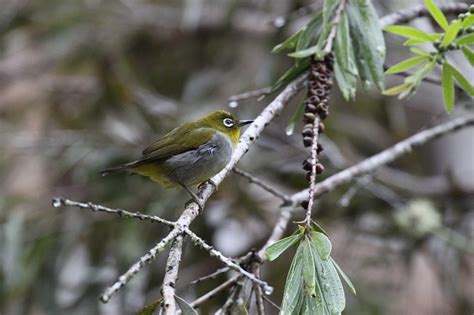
<point>177,141</point>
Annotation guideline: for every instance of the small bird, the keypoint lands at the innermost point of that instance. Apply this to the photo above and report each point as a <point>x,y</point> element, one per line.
<point>189,154</point>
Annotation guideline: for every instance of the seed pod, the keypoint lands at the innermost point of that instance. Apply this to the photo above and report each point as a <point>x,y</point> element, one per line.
<point>308,117</point>
<point>307,141</point>
<point>321,128</point>
<point>308,176</point>
<point>310,108</point>
<point>307,165</point>
<point>307,133</point>
<point>305,204</point>
<point>319,168</point>
<point>319,149</point>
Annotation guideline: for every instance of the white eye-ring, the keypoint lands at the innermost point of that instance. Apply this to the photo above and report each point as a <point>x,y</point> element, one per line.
<point>228,122</point>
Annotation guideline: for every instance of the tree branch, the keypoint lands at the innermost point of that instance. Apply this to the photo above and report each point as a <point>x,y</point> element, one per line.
<point>404,16</point>
<point>385,157</point>
<point>171,275</point>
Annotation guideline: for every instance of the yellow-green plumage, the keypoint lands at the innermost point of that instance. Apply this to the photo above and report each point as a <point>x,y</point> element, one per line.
<point>189,154</point>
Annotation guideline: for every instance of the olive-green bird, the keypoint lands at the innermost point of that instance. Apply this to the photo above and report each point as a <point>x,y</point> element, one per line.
<point>189,154</point>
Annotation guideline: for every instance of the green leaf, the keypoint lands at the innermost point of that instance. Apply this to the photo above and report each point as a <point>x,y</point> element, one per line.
<point>344,65</point>
<point>344,276</point>
<point>466,39</point>
<point>367,42</point>
<point>397,89</point>
<point>305,52</point>
<point>415,41</point>
<point>295,117</point>
<point>310,33</point>
<point>293,293</point>
<point>410,32</point>
<point>451,33</point>
<point>406,64</point>
<point>448,88</point>
<point>276,249</point>
<point>419,51</point>
<point>290,74</point>
<point>468,21</point>
<point>330,284</point>
<point>469,54</point>
<point>150,308</point>
<point>437,14</point>
<point>186,308</point>
<point>459,77</point>
<point>289,43</point>
<point>309,269</point>
<point>322,243</point>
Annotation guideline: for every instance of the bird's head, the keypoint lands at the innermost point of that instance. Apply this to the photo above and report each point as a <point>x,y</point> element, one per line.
<point>225,123</point>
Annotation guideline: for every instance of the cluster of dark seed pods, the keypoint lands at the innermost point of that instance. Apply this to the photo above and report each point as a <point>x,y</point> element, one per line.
<point>317,106</point>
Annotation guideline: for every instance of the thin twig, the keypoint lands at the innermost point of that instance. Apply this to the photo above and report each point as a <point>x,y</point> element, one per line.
<point>266,298</point>
<point>135,268</point>
<point>335,22</point>
<point>258,291</point>
<point>278,229</point>
<point>210,276</point>
<point>171,275</point>
<point>58,201</point>
<point>406,15</point>
<point>229,262</point>
<point>384,157</point>
<point>209,295</point>
<point>250,94</point>
<point>254,180</point>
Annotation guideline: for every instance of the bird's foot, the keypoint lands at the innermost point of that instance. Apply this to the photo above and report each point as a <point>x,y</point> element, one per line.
<point>210,182</point>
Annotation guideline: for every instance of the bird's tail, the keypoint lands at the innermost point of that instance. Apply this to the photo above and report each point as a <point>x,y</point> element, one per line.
<point>115,169</point>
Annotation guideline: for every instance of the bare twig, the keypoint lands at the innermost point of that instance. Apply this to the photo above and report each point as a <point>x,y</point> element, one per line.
<point>209,295</point>
<point>406,15</point>
<point>385,157</point>
<point>171,275</point>
<point>335,22</point>
<point>266,298</point>
<point>258,291</point>
<point>278,229</point>
<point>58,201</point>
<point>135,268</point>
<point>234,99</point>
<point>211,276</point>
<point>262,184</point>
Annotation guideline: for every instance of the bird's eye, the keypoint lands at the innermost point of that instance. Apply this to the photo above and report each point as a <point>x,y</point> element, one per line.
<point>228,122</point>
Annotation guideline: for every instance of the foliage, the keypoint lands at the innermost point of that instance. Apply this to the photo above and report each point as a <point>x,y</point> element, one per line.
<point>313,285</point>
<point>458,35</point>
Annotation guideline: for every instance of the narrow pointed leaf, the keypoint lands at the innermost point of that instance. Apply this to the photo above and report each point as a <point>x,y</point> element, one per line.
<point>329,284</point>
<point>322,243</point>
<point>416,41</point>
<point>294,284</point>
<point>367,42</point>
<point>451,33</point>
<point>396,89</point>
<point>277,248</point>
<point>468,21</point>
<point>419,51</point>
<point>344,276</point>
<point>344,65</point>
<point>437,14</point>
<point>406,64</point>
<point>186,308</point>
<point>295,117</point>
<point>466,39</point>
<point>448,88</point>
<point>459,77</point>
<point>289,43</point>
<point>305,52</point>
<point>309,269</point>
<point>410,32</point>
<point>469,54</point>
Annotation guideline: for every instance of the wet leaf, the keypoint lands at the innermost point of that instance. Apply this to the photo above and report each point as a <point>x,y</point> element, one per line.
<point>277,248</point>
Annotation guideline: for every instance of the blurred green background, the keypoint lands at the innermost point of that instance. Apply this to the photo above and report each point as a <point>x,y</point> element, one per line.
<point>88,84</point>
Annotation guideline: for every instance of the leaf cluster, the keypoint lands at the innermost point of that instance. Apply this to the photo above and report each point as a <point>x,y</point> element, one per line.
<point>359,45</point>
<point>313,285</point>
<point>457,35</point>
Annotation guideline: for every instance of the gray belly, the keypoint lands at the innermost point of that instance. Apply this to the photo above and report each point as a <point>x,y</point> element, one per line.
<point>196,166</point>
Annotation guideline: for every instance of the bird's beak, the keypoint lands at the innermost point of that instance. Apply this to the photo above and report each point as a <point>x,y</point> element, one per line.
<point>244,122</point>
